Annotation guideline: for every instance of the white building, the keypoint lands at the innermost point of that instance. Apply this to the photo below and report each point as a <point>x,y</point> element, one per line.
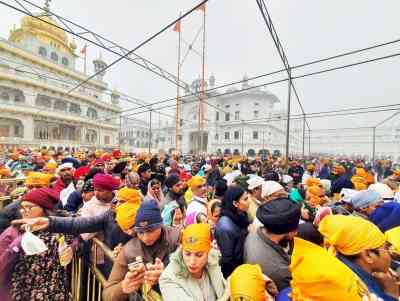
<point>237,122</point>
<point>37,70</point>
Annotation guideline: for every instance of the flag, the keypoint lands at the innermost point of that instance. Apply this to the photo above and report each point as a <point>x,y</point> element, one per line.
<point>177,26</point>
<point>83,51</point>
<point>202,7</point>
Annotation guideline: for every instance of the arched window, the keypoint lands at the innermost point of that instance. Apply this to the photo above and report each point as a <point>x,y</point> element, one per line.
<point>54,56</point>
<point>17,98</point>
<point>43,51</point>
<point>65,61</point>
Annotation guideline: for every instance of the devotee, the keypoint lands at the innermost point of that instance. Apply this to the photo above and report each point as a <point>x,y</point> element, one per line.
<point>154,243</point>
<point>362,247</point>
<point>154,192</point>
<point>232,228</point>
<point>266,246</point>
<point>144,172</point>
<point>309,173</point>
<point>198,203</point>
<point>193,272</point>
<point>175,190</point>
<point>77,198</point>
<point>132,180</point>
<point>317,275</point>
<point>296,172</point>
<point>365,202</point>
<point>247,282</point>
<point>39,267</point>
<point>255,187</point>
<point>340,180</point>
<point>173,214</point>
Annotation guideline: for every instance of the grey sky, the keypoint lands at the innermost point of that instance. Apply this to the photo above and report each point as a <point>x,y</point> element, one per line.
<point>238,43</point>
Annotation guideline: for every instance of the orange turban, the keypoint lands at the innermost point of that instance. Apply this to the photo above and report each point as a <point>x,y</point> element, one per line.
<point>310,167</point>
<point>313,182</point>
<point>5,172</point>
<point>317,275</point>
<point>51,166</point>
<point>315,196</point>
<point>247,283</point>
<point>38,179</point>
<point>197,238</point>
<point>393,237</point>
<point>129,195</point>
<point>126,215</point>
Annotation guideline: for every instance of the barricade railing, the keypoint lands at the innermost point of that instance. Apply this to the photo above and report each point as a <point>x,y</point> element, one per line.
<point>89,285</point>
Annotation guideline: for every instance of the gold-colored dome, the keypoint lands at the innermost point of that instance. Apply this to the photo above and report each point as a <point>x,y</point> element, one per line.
<point>45,31</point>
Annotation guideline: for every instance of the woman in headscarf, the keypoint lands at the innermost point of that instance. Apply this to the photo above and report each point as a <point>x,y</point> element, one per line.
<point>193,273</point>
<point>173,214</point>
<point>232,228</point>
<point>31,274</point>
<point>154,192</point>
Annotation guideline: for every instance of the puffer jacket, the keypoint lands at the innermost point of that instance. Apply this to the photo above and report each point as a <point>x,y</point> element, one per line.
<point>177,284</point>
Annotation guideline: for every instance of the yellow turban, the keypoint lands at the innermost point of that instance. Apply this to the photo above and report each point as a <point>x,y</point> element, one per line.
<point>393,237</point>
<point>311,167</point>
<point>313,182</point>
<point>188,196</point>
<point>247,283</point>
<point>360,183</point>
<point>126,215</point>
<point>51,166</point>
<point>317,275</point>
<point>196,238</point>
<point>196,181</point>
<point>361,172</point>
<point>38,179</point>
<point>350,234</point>
<point>129,195</point>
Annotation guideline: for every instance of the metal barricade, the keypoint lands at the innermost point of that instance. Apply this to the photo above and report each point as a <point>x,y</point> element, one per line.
<point>93,280</point>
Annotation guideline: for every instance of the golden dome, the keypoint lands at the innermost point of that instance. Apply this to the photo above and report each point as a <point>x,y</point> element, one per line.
<point>45,31</point>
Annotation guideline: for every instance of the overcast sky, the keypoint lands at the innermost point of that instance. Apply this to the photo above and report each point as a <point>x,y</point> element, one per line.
<point>238,43</point>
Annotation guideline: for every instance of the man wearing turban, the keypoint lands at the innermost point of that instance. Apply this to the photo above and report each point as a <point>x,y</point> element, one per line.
<point>362,247</point>
<point>280,219</point>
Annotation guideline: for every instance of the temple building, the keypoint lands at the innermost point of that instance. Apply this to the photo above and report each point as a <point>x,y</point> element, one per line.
<point>39,104</point>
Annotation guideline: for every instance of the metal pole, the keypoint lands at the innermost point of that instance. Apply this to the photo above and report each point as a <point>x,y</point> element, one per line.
<point>373,144</point>
<point>242,137</point>
<point>263,143</point>
<point>288,117</point>
<point>150,133</point>
<point>304,135</point>
<point>309,142</point>
<point>178,109</point>
<point>120,132</point>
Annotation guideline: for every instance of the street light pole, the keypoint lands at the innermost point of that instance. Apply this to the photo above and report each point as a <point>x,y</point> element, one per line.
<point>373,144</point>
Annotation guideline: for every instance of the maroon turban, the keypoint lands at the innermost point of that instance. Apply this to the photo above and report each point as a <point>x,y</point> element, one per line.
<point>43,197</point>
<point>105,182</point>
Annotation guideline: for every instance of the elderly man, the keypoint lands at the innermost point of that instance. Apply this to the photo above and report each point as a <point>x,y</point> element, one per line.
<point>256,200</point>
<point>199,202</point>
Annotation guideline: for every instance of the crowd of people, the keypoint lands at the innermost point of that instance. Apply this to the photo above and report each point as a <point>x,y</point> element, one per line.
<point>200,228</point>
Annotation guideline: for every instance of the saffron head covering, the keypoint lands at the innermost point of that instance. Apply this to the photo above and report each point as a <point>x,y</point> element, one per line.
<point>196,181</point>
<point>350,235</point>
<point>197,238</point>
<point>126,215</point>
<point>247,283</point>
<point>317,275</point>
<point>38,179</point>
<point>129,195</point>
<point>393,237</point>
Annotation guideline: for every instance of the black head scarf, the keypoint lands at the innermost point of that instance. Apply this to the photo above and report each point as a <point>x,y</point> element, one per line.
<point>233,194</point>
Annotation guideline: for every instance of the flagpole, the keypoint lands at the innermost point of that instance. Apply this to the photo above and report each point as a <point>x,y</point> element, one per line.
<point>178,109</point>
<point>202,79</point>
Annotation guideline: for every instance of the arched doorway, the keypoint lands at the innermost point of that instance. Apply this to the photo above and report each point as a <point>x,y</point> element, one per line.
<point>10,127</point>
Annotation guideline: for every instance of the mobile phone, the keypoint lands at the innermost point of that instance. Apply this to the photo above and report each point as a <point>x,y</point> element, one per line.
<point>136,265</point>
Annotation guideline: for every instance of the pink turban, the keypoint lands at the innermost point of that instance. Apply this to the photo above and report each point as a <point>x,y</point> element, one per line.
<point>105,182</point>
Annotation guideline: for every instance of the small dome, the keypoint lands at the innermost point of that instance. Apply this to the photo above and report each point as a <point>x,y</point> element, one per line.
<point>33,25</point>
